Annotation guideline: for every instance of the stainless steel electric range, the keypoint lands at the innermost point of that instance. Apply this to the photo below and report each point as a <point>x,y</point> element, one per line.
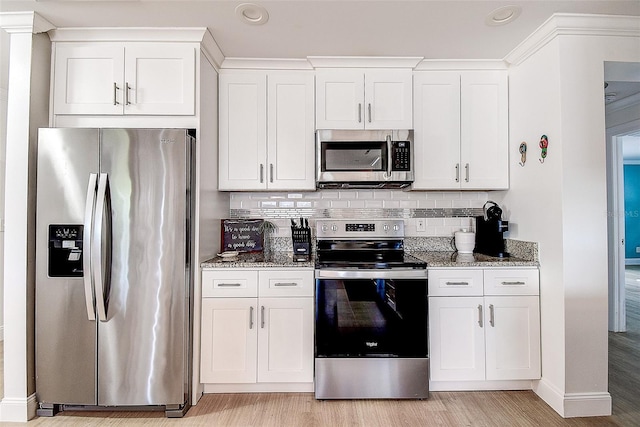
<point>371,313</point>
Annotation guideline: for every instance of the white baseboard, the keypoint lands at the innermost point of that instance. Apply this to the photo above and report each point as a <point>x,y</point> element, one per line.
<point>587,405</point>
<point>632,261</point>
<point>18,410</point>
<point>570,405</point>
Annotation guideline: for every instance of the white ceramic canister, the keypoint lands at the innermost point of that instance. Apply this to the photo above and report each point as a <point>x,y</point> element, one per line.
<point>465,241</point>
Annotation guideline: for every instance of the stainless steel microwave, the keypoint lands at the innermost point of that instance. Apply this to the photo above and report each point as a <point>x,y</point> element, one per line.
<point>364,158</point>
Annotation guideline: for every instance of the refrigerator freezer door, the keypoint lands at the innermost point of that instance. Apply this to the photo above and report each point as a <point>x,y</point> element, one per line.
<point>143,342</point>
<point>65,337</point>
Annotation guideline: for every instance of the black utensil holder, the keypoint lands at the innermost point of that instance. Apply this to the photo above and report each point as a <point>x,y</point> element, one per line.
<point>301,237</point>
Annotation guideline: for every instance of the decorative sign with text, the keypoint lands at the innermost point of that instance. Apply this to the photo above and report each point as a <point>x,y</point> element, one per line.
<point>242,235</point>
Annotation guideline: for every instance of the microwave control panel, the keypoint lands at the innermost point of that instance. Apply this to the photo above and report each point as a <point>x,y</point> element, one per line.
<point>400,155</point>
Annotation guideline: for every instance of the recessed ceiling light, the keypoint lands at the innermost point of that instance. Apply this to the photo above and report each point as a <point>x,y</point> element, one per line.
<point>503,15</point>
<point>252,13</point>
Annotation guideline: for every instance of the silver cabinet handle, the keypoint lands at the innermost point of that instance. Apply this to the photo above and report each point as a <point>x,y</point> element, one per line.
<point>87,235</point>
<point>466,169</point>
<point>251,317</point>
<point>270,172</point>
<point>101,250</point>
<point>359,113</point>
<point>220,285</point>
<point>262,316</point>
<point>261,173</point>
<point>457,283</point>
<point>513,283</point>
<point>285,284</point>
<point>457,172</point>
<point>369,108</point>
<point>126,93</point>
<point>480,315</point>
<point>115,93</point>
<point>389,157</point>
<point>491,316</point>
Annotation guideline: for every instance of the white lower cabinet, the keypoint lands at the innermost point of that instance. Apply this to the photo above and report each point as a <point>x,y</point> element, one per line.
<point>481,336</point>
<point>257,326</point>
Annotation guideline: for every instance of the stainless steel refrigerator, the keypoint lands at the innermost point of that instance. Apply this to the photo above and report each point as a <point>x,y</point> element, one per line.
<point>113,275</point>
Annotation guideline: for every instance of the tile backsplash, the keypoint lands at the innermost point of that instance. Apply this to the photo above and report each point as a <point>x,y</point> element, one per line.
<point>443,212</point>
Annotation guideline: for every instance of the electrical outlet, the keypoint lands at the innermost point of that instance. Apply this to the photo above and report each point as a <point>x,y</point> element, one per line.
<point>421,224</point>
<point>638,249</point>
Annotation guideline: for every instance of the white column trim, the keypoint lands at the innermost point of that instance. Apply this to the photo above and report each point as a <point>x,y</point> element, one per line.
<point>18,410</point>
<point>570,405</point>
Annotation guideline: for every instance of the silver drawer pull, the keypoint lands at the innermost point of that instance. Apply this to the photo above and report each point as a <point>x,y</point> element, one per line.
<point>285,284</point>
<point>220,285</point>
<point>480,315</point>
<point>513,283</point>
<point>457,283</point>
<point>492,320</point>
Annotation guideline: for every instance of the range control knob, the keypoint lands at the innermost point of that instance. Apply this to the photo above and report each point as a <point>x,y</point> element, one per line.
<point>324,227</point>
<point>334,227</point>
<point>385,227</point>
<point>396,227</point>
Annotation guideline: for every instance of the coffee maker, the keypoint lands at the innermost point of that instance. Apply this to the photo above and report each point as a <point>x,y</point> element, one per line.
<point>489,229</point>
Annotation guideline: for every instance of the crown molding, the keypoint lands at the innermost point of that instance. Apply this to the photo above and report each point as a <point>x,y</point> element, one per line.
<point>462,64</point>
<point>363,61</point>
<point>139,34</point>
<point>621,104</point>
<point>24,22</point>
<point>561,24</point>
<point>211,50</point>
<point>266,64</point>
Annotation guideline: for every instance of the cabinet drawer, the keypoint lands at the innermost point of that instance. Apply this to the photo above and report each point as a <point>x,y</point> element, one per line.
<point>217,283</point>
<point>455,282</point>
<point>511,282</point>
<point>286,283</point>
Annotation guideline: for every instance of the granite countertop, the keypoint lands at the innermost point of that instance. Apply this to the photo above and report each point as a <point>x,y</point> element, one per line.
<point>281,259</point>
<point>434,259</point>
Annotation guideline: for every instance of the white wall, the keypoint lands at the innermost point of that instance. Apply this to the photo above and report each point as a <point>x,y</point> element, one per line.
<point>4,86</point>
<point>558,91</point>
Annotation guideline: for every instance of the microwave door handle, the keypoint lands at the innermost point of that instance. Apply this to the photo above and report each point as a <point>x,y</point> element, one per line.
<point>389,154</point>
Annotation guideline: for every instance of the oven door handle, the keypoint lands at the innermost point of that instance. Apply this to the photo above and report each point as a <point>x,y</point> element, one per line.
<point>395,273</point>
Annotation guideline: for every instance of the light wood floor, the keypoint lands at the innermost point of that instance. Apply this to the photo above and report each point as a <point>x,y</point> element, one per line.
<point>513,409</point>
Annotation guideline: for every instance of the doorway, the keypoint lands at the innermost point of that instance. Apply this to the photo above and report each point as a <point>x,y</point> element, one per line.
<point>622,103</point>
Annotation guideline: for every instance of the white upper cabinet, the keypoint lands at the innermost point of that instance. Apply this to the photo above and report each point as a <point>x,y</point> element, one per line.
<point>266,131</point>
<point>364,99</point>
<point>461,130</point>
<point>93,78</point>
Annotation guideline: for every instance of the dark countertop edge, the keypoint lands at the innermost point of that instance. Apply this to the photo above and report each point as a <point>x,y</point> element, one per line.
<point>434,259</point>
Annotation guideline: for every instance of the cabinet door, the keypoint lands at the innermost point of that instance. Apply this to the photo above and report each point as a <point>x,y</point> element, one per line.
<point>388,99</point>
<point>243,131</point>
<point>456,338</point>
<point>229,340</point>
<point>88,78</point>
<point>437,130</point>
<point>512,337</point>
<point>340,99</point>
<point>484,154</point>
<point>290,123</point>
<point>285,340</point>
<point>160,79</point>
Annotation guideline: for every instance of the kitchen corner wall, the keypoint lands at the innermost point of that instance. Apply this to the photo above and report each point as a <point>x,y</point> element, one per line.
<point>443,212</point>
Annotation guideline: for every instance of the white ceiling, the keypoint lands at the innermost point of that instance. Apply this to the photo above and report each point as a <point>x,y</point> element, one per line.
<point>453,29</point>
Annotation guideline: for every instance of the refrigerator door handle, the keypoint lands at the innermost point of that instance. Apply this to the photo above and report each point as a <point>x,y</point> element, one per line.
<point>87,233</point>
<point>101,250</point>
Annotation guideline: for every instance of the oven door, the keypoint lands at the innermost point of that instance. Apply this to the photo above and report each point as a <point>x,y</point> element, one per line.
<point>367,315</point>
